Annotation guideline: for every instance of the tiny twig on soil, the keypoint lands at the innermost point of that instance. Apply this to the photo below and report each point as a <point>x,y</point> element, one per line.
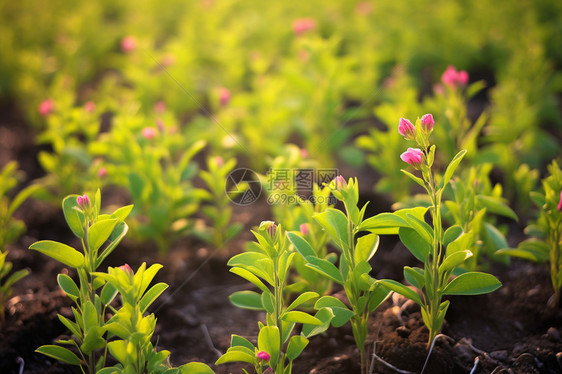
<point>476,361</point>
<point>431,349</point>
<point>20,361</point>
<point>372,366</point>
<point>209,340</point>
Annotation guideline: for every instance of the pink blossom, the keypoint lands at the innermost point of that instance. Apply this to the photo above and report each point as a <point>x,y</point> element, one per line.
<point>451,77</point>
<point>46,107</point>
<point>363,8</point>
<point>302,25</point>
<point>412,156</point>
<point>304,228</point>
<point>90,106</point>
<point>304,153</point>
<point>159,107</point>
<point>224,96</point>
<point>149,133</point>
<point>127,269</point>
<point>102,172</point>
<point>427,122</point>
<point>559,207</point>
<point>219,160</point>
<point>406,129</point>
<point>340,182</point>
<point>262,355</point>
<point>128,44</point>
<point>272,230</point>
<point>83,201</point>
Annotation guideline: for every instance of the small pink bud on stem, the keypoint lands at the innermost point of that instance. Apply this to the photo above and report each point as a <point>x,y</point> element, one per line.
<point>46,107</point>
<point>451,77</point>
<point>102,172</point>
<point>83,202</point>
<point>128,44</point>
<point>302,25</point>
<point>427,123</point>
<point>149,133</point>
<point>340,182</point>
<point>406,129</point>
<point>413,156</point>
<point>224,96</point>
<point>559,207</point>
<point>127,269</point>
<point>304,228</point>
<point>262,355</point>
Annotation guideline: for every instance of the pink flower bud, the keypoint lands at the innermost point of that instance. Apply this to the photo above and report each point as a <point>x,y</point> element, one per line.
<point>127,269</point>
<point>302,25</point>
<point>462,77</point>
<point>128,44</point>
<point>412,156</point>
<point>406,129</point>
<point>559,207</point>
<point>304,153</point>
<point>46,107</point>
<point>159,107</point>
<point>219,161</point>
<point>83,201</point>
<point>340,182</point>
<point>262,355</point>
<point>102,172</point>
<point>149,133</point>
<point>427,122</point>
<point>90,106</point>
<point>224,96</point>
<point>304,228</point>
<point>272,230</point>
<point>449,77</point>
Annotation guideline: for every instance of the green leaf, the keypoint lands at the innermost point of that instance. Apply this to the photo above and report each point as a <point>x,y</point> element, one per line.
<point>495,205</point>
<point>377,297</point>
<point>454,260</point>
<point>73,327</point>
<point>268,301</point>
<point>249,277</point>
<point>60,252</point>
<point>236,356</point>
<point>530,249</point>
<point>247,300</point>
<point>237,340</point>
<point>451,234</point>
<point>68,286</point>
<point>115,238</point>
<point>415,243</point>
<point>325,315</point>
<point>460,244</point>
<point>300,317</point>
<point>366,247</point>
<point>341,312</point>
<point>269,340</point>
<point>401,289</point>
<point>472,283</point>
<point>451,169</point>
<point>59,353</point>
<point>108,293</point>
<point>301,245</point>
<point>99,232</point>
<point>151,295</point>
<point>335,223</point>
<point>195,368</point>
<point>16,276</point>
<point>414,178</point>
<point>93,340</point>
<point>72,215</point>
<point>118,349</point>
<point>495,237</point>
<point>383,223</point>
<point>324,267</point>
<point>414,276</point>
<point>122,212</point>
<point>425,231</point>
<point>296,346</point>
<point>303,298</point>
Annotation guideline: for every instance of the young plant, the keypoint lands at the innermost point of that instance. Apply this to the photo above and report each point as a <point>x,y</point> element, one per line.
<point>93,229</point>
<point>133,329</point>
<point>546,232</point>
<point>363,292</point>
<point>10,230</point>
<point>266,264</point>
<point>219,210</point>
<point>440,251</point>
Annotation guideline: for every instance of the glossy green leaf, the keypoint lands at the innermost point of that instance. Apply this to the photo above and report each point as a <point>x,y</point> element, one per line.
<point>151,295</point>
<point>237,340</point>
<point>59,353</point>
<point>195,368</point>
<point>401,289</point>
<point>247,300</point>
<point>122,212</point>
<point>301,245</point>
<point>236,356</point>
<point>451,234</point>
<point>250,277</point>
<point>269,340</point>
<point>495,205</point>
<point>118,349</point>
<point>453,260</point>
<point>423,229</point>
<point>303,298</point>
<point>383,223</point>
<point>119,232</point>
<point>300,317</point>
<point>268,301</point>
<point>325,315</point>
<point>414,276</point>
<point>60,252</point>
<point>72,215</point>
<point>341,313</point>
<point>451,169</point>
<point>366,247</point>
<point>68,286</point>
<point>73,327</point>
<point>108,293</point>
<point>335,223</point>
<point>296,346</point>
<point>99,232</point>
<point>377,296</point>
<point>325,268</point>
<point>472,283</point>
<point>415,243</point>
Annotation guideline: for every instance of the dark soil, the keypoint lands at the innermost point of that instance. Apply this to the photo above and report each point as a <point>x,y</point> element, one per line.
<point>508,331</point>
